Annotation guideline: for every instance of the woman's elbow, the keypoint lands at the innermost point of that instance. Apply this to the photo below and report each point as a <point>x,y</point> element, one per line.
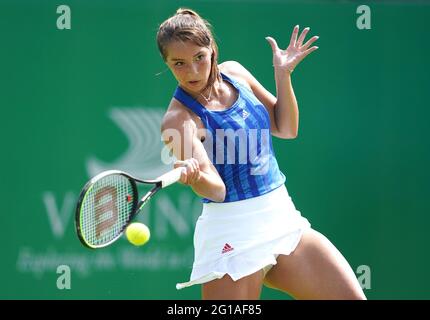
<point>220,193</point>
<point>293,135</point>
<point>213,189</point>
<point>286,135</point>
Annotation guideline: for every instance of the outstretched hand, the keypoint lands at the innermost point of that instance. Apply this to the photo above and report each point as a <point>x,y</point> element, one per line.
<point>288,59</point>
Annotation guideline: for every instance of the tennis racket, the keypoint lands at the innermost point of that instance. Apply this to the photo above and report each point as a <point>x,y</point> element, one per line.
<point>110,201</point>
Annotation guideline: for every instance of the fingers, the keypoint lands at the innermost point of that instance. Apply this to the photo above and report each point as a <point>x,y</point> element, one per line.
<point>294,36</point>
<point>191,174</point>
<point>193,171</point>
<point>184,176</point>
<point>294,42</point>
<point>302,36</point>
<point>309,51</point>
<point>273,44</point>
<point>309,42</point>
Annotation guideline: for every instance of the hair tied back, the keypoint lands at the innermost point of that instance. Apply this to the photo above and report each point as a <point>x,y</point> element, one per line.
<point>187,11</point>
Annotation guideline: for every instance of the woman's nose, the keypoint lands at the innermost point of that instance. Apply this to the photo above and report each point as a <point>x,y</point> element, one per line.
<point>193,69</point>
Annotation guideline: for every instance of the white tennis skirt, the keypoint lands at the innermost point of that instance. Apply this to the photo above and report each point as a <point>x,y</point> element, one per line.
<point>239,238</point>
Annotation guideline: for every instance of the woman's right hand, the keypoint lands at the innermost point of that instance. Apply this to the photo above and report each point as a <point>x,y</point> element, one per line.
<point>192,173</point>
<point>199,172</point>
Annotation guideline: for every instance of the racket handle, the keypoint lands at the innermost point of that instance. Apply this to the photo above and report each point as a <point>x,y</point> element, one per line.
<point>170,177</point>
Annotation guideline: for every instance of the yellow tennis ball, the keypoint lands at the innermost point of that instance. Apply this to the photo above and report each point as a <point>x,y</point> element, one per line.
<point>137,233</point>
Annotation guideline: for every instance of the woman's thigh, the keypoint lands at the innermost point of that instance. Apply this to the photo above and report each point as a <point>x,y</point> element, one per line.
<point>246,288</point>
<point>315,270</point>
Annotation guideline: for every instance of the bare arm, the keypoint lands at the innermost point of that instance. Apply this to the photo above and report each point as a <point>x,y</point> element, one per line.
<point>286,111</point>
<point>283,109</point>
<point>283,121</point>
<point>179,133</point>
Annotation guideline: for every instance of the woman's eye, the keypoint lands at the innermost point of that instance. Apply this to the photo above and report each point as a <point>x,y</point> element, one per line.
<point>178,64</point>
<point>200,57</point>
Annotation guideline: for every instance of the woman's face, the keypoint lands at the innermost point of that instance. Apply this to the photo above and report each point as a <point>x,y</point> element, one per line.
<point>190,64</point>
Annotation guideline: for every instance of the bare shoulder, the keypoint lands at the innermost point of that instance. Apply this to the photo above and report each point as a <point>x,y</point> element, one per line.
<point>237,71</point>
<point>176,115</point>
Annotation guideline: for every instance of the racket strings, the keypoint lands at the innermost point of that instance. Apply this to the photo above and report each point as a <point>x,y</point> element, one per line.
<point>106,209</point>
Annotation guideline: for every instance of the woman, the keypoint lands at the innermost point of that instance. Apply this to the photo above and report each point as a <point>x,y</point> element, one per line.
<point>249,232</point>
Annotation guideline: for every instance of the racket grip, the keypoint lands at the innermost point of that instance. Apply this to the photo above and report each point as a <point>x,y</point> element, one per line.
<point>170,177</point>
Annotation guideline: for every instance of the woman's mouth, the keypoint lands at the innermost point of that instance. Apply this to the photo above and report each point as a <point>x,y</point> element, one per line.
<point>194,83</point>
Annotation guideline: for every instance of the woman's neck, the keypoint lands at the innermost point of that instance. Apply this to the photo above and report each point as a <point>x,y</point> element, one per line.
<point>213,92</point>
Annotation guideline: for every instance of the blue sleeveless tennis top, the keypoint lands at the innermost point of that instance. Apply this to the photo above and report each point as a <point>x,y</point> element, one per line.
<point>239,143</point>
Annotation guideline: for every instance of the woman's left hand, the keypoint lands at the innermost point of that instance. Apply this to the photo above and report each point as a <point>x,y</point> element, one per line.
<point>288,59</point>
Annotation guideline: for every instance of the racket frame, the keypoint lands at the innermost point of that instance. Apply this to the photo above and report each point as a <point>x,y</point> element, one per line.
<point>137,205</point>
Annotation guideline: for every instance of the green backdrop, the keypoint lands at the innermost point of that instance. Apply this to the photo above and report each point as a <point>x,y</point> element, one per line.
<point>74,102</point>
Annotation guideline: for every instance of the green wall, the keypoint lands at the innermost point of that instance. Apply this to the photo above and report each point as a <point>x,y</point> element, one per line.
<point>72,99</point>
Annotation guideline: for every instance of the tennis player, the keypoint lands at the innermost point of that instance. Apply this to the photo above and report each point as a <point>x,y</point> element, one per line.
<point>249,232</point>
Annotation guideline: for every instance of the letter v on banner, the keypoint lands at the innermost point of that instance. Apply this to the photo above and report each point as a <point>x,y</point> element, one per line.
<point>59,218</point>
